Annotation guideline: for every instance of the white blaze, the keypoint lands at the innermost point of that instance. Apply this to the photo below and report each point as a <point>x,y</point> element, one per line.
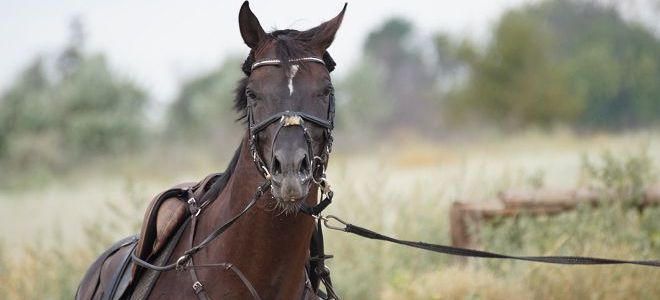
<point>292,73</point>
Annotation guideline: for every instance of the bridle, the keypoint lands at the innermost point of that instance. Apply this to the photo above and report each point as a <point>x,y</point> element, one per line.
<point>318,164</point>
<point>293,118</point>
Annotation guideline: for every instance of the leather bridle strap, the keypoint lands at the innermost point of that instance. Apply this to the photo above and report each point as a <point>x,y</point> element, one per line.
<point>278,117</point>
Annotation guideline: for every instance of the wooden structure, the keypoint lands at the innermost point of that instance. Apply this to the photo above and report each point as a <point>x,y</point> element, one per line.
<point>467,217</point>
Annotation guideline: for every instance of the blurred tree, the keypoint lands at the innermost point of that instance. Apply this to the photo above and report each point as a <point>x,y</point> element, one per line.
<point>515,82</point>
<point>204,104</point>
<point>82,109</point>
<point>98,112</point>
<point>362,101</point>
<point>612,63</point>
<point>391,87</point>
<point>569,61</point>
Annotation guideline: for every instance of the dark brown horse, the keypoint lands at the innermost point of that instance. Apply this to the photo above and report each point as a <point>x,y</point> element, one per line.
<point>287,101</point>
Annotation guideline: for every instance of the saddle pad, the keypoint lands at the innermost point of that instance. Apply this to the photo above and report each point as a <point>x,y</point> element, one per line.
<point>165,214</point>
<point>95,273</point>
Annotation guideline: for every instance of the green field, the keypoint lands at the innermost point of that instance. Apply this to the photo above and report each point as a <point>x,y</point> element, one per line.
<point>50,231</point>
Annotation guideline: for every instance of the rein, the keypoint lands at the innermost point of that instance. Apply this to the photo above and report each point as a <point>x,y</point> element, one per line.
<point>564,260</point>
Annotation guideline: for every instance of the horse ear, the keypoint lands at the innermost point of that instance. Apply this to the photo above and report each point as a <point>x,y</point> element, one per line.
<point>251,30</point>
<point>324,34</point>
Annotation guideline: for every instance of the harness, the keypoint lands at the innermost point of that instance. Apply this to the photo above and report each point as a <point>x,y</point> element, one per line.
<point>317,270</point>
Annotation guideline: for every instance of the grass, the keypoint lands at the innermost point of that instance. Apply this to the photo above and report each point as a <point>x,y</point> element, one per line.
<point>50,233</point>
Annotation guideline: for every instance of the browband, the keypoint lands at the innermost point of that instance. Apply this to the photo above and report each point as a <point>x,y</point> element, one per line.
<point>249,64</point>
<point>274,62</point>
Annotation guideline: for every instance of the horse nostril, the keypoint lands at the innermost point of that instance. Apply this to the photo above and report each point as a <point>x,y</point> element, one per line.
<point>277,166</point>
<point>304,165</point>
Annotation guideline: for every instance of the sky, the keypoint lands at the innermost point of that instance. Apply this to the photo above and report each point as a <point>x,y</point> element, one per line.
<point>160,44</point>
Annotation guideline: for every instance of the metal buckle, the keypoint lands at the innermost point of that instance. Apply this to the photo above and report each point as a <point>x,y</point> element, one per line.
<point>194,208</point>
<point>317,163</point>
<point>197,287</point>
<point>180,263</point>
<point>266,173</point>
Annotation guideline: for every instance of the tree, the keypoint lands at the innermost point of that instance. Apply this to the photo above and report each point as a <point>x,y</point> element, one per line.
<point>392,85</point>
<point>575,62</point>
<point>83,109</point>
<point>204,103</point>
<point>612,63</point>
<point>515,82</point>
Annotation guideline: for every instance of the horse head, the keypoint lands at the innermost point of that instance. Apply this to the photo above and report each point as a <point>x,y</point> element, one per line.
<point>287,98</point>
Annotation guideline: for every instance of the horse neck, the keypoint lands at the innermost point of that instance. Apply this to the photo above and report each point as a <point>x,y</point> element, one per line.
<point>263,241</point>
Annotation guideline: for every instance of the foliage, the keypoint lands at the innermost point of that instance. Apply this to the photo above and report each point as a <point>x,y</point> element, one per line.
<point>621,180</point>
<point>37,271</point>
<point>82,108</point>
<point>610,230</point>
<point>361,101</point>
<point>391,86</point>
<point>613,64</point>
<point>573,62</point>
<point>515,82</point>
<point>204,104</point>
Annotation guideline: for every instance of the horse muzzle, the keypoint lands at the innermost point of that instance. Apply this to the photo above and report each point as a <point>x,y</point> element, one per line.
<point>291,174</point>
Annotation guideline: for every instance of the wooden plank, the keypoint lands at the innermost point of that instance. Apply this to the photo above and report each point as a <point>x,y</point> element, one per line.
<point>467,217</point>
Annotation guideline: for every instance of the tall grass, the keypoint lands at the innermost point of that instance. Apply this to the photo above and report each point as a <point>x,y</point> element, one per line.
<point>53,271</point>
<point>611,230</point>
<point>413,204</point>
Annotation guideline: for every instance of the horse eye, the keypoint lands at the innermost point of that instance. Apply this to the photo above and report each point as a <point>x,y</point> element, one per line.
<point>326,92</point>
<point>251,95</point>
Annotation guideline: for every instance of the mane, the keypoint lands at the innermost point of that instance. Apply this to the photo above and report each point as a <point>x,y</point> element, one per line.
<point>220,183</point>
<point>289,44</point>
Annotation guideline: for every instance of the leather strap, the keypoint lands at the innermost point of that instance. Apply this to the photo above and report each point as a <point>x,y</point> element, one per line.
<point>564,260</point>
<point>197,286</point>
<point>233,268</point>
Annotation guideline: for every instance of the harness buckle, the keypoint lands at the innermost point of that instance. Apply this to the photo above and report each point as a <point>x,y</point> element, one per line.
<point>266,173</point>
<point>317,161</point>
<point>180,263</point>
<point>197,287</point>
<point>193,207</point>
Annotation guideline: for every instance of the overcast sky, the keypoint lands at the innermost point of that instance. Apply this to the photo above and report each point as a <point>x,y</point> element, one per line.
<point>161,43</point>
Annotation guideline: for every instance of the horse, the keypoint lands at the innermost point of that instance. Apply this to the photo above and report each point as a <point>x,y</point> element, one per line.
<point>242,235</point>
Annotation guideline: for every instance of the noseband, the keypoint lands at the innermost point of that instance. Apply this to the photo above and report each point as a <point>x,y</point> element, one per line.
<point>293,118</point>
